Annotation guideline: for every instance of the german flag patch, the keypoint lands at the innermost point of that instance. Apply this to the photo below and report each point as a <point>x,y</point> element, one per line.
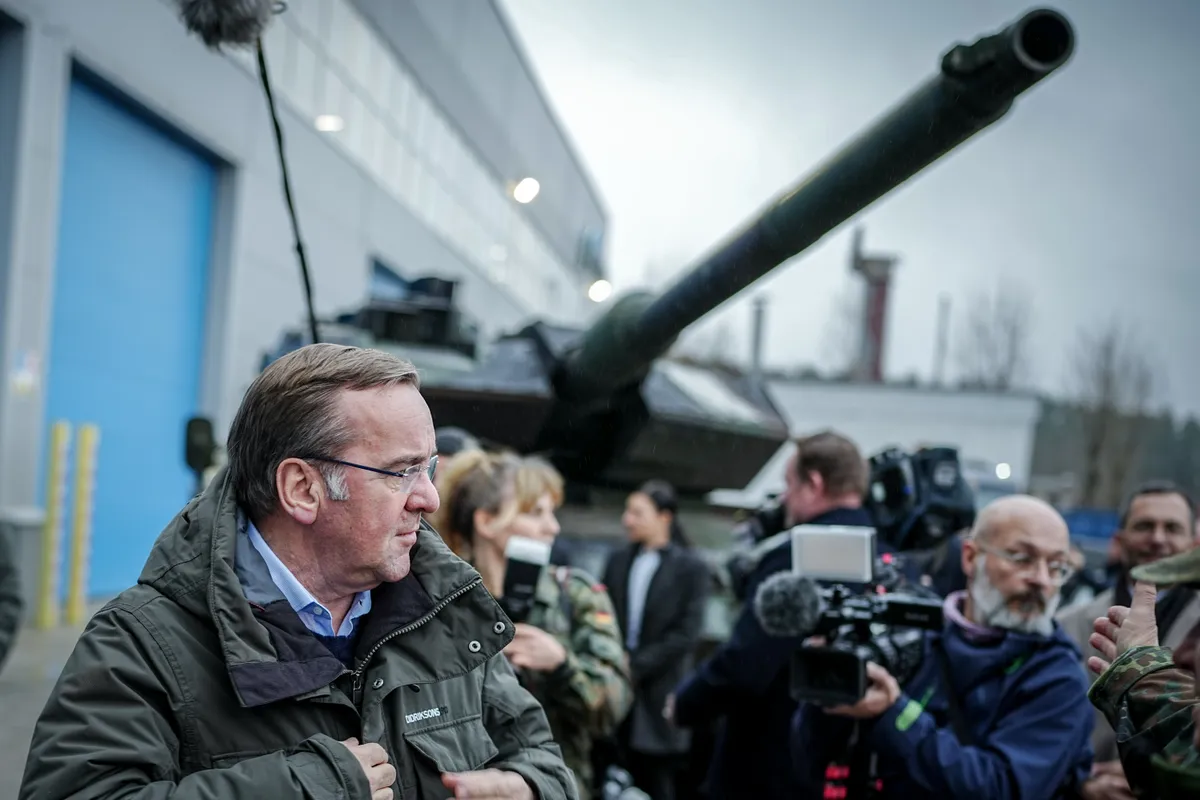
<point>602,618</point>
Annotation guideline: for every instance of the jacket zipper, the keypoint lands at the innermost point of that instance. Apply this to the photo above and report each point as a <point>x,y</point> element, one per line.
<point>409,628</point>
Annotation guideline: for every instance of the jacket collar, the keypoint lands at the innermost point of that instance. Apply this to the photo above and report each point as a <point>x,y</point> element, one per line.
<point>270,654</point>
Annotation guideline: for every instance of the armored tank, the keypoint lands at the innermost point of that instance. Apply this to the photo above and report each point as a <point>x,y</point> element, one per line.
<point>604,405</point>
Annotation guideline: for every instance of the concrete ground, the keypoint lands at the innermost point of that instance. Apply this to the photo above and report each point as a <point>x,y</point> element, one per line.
<point>25,683</point>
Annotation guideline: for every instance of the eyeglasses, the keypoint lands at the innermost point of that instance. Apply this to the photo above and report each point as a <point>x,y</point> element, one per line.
<point>1060,571</point>
<point>397,481</point>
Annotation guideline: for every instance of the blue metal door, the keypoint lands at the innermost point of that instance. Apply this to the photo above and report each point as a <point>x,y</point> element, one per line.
<point>127,333</point>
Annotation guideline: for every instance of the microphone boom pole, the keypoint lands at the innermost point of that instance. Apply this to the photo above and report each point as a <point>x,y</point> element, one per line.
<point>241,23</point>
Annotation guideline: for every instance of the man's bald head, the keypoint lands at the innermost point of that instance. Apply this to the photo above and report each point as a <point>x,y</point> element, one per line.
<point>1035,517</point>
<point>1015,559</point>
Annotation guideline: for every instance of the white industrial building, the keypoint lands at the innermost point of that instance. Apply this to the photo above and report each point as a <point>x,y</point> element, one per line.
<point>146,259</point>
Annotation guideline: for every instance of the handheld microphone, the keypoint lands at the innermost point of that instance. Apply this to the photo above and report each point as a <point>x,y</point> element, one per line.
<point>526,560</point>
<point>239,23</point>
<point>788,605</point>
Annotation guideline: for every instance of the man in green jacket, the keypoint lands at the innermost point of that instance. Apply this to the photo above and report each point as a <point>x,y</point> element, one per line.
<point>298,631</point>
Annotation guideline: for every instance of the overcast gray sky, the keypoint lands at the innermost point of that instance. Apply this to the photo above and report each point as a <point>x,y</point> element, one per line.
<point>690,114</point>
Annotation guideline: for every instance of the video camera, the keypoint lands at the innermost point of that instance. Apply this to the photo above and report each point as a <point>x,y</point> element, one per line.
<point>860,614</point>
<point>918,500</point>
<point>756,534</point>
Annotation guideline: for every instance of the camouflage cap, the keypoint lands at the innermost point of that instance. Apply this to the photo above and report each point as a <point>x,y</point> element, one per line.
<point>1180,568</point>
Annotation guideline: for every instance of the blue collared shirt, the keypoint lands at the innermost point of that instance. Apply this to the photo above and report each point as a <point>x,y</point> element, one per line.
<point>315,616</point>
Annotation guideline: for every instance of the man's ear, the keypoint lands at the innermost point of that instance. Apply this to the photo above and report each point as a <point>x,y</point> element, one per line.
<point>816,481</point>
<point>969,551</point>
<point>300,489</point>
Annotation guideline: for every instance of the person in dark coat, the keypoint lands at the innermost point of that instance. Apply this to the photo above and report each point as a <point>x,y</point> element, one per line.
<point>659,588</point>
<point>11,605</point>
<point>746,681</point>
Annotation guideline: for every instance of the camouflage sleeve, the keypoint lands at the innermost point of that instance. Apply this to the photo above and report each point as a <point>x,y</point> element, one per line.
<point>594,680</point>
<point>1148,701</point>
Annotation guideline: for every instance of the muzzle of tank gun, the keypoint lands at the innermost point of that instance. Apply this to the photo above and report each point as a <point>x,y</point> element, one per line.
<point>997,68</point>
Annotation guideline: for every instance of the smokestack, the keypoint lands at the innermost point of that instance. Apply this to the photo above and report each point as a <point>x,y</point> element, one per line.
<point>943,338</point>
<point>758,320</point>
<point>876,272</point>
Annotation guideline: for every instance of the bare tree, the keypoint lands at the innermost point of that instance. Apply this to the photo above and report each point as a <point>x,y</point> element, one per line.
<point>1114,384</point>
<point>993,343</point>
<point>842,338</point>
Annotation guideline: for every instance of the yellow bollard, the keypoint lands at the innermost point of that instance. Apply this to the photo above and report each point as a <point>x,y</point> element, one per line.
<point>86,448</point>
<point>56,480</point>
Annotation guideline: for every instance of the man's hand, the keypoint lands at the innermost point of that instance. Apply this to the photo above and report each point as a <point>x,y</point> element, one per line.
<point>1125,628</point>
<point>1107,782</point>
<point>374,761</point>
<point>669,708</point>
<point>882,694</point>
<point>534,649</point>
<point>487,784</point>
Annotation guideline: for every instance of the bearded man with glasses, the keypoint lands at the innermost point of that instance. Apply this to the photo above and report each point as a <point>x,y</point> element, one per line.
<point>998,708</point>
<point>298,629</point>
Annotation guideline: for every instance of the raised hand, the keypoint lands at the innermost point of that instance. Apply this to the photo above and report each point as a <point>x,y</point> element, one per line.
<point>1125,628</point>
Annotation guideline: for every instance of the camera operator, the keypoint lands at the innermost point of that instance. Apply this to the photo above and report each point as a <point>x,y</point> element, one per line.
<point>746,680</point>
<point>997,708</point>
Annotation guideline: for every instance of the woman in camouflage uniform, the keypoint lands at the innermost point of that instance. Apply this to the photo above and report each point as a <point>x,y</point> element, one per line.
<point>568,653</point>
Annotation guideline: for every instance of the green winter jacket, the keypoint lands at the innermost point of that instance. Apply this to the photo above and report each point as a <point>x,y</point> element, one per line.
<point>200,683</point>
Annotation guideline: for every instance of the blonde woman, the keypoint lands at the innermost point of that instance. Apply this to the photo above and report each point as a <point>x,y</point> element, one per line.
<point>569,652</point>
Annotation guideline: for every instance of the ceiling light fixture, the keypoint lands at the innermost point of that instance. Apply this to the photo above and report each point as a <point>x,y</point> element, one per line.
<point>600,291</point>
<point>526,190</point>
<point>330,123</point>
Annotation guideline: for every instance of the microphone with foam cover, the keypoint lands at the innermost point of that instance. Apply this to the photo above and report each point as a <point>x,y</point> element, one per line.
<point>788,605</point>
<point>238,23</point>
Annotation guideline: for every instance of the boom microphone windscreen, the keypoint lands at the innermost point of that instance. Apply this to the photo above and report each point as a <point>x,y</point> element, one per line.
<point>238,23</point>
<point>787,605</point>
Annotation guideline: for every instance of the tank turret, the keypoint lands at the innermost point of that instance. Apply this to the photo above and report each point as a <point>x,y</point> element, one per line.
<point>603,404</point>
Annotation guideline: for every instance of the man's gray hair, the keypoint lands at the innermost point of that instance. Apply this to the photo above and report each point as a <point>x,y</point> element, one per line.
<point>291,411</point>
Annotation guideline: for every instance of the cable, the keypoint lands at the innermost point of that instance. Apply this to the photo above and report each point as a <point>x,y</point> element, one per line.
<point>287,190</point>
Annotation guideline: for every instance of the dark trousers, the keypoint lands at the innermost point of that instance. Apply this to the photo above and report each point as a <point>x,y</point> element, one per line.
<point>653,774</point>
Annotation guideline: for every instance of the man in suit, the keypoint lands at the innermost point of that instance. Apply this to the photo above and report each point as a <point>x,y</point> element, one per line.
<point>746,681</point>
<point>659,588</point>
<point>1158,521</point>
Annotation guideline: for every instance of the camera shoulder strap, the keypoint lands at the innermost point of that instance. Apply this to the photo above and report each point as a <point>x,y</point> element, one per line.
<point>958,722</point>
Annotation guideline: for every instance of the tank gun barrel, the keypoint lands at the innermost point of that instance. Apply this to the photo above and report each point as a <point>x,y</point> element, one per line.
<point>975,87</point>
